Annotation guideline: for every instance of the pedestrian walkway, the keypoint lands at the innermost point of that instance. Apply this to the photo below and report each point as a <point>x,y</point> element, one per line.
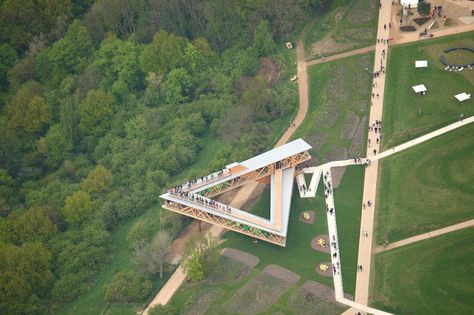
<point>371,173</point>
<point>424,236</point>
<point>346,54</point>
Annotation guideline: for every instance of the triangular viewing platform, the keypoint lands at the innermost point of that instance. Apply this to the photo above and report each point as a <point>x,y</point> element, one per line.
<point>276,167</point>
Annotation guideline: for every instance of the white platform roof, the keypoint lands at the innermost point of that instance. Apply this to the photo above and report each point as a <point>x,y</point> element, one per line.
<point>421,64</point>
<point>419,88</point>
<point>264,159</point>
<point>463,96</point>
<point>277,154</point>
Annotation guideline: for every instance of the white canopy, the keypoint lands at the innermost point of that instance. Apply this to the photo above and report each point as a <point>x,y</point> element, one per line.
<point>463,96</point>
<point>421,64</point>
<point>419,88</point>
<point>411,3</point>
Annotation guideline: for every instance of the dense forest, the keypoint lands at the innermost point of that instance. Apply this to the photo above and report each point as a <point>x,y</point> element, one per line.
<point>102,104</point>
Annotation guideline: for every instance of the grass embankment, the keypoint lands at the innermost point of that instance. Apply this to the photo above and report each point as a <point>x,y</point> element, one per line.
<point>427,187</point>
<point>407,115</point>
<point>345,27</point>
<point>429,277</point>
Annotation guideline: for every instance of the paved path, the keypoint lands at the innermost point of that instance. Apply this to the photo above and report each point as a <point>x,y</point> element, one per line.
<point>302,93</point>
<point>346,54</point>
<point>370,179</point>
<point>178,277</point>
<point>425,236</point>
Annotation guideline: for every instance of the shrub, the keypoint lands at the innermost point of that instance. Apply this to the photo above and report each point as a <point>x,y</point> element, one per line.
<point>424,8</point>
<point>127,287</point>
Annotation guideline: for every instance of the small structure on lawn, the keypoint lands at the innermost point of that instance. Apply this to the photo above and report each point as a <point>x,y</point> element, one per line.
<point>409,3</point>
<point>463,97</point>
<point>289,45</point>
<point>420,89</point>
<point>421,64</point>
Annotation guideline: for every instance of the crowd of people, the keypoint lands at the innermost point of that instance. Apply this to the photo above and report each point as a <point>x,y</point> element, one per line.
<point>196,198</point>
<point>190,184</point>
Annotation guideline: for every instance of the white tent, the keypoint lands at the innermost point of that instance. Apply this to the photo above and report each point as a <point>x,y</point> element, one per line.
<point>462,97</point>
<point>421,64</point>
<point>409,3</point>
<point>419,88</point>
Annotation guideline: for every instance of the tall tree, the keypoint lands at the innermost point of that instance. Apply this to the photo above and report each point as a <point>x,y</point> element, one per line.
<point>77,208</point>
<point>95,113</point>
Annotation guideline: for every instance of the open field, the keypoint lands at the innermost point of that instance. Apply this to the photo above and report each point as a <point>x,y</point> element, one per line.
<point>430,277</point>
<point>344,28</point>
<point>408,115</point>
<point>427,187</point>
<point>336,123</point>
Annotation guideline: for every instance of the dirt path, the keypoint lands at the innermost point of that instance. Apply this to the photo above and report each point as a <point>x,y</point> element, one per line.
<point>346,54</point>
<point>424,236</point>
<point>302,93</point>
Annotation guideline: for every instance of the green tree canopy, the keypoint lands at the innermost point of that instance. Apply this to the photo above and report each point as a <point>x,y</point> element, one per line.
<point>33,225</point>
<point>164,53</point>
<point>77,208</point>
<point>95,113</point>
<point>98,180</point>
<point>263,39</point>
<point>25,278</point>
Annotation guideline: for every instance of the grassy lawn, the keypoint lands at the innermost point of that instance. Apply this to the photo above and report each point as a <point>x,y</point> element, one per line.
<point>345,27</point>
<point>297,256</point>
<point>427,187</point>
<point>407,115</point>
<point>348,198</point>
<point>429,277</point>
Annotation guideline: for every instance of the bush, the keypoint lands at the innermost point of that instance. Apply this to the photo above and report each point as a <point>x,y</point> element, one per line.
<point>424,8</point>
<point>127,287</point>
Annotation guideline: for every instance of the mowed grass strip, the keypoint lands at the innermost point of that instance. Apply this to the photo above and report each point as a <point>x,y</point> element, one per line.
<point>407,115</point>
<point>427,187</point>
<point>429,277</point>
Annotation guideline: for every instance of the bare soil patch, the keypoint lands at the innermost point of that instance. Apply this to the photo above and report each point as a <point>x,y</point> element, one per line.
<point>327,273</point>
<point>349,126</point>
<point>256,295</point>
<point>336,174</point>
<point>269,70</point>
<point>281,273</point>
<point>358,141</point>
<point>240,256</point>
<point>312,217</point>
<point>315,246</point>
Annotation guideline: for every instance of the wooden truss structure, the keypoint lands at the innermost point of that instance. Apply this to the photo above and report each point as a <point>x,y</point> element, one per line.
<point>225,223</point>
<point>257,174</point>
<point>196,202</point>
